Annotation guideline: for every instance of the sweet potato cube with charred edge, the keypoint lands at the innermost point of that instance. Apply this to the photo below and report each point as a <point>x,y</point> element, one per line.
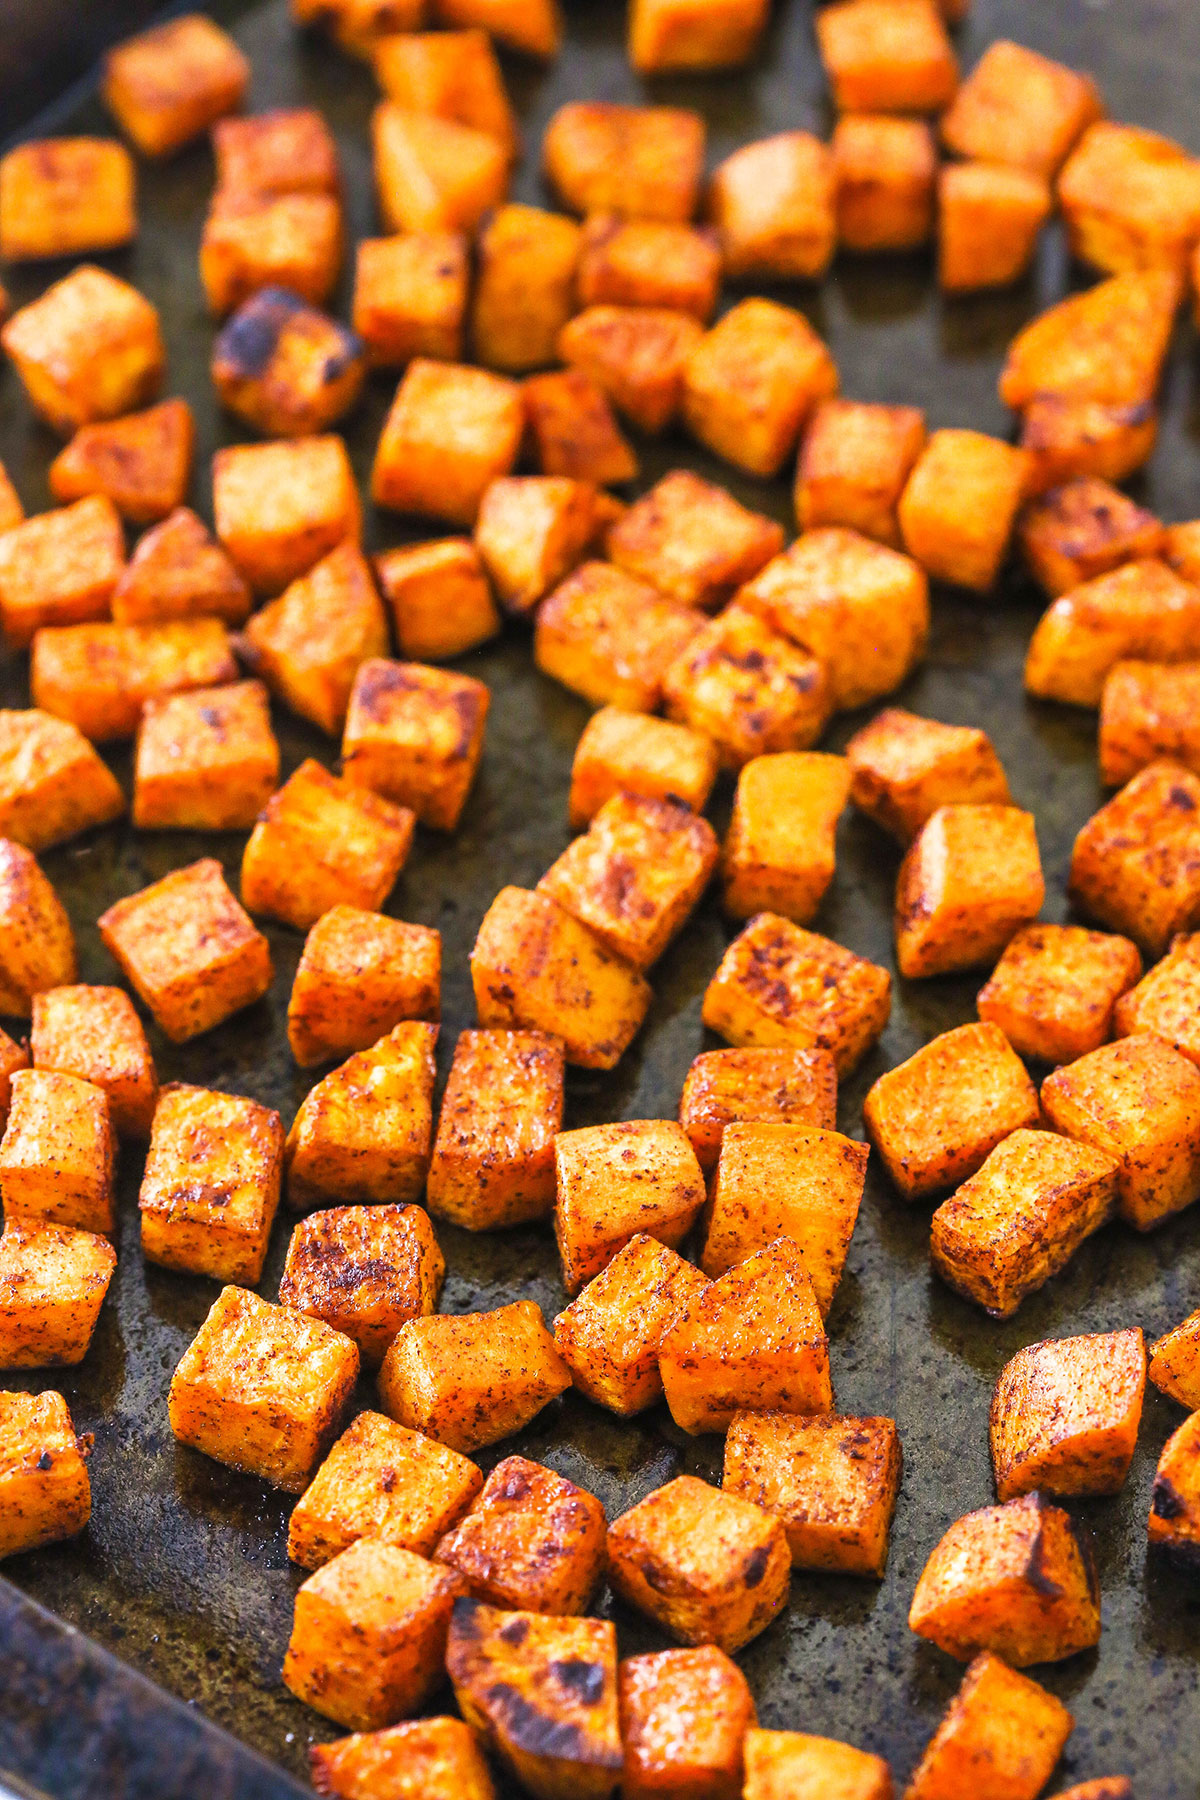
<point>1020,109</point>
<point>493,1158</point>
<point>474,1378</point>
<point>415,735</point>
<point>1175,1362</point>
<point>684,1715</point>
<point>211,1185</point>
<point>693,541</point>
<point>322,842</point>
<point>999,1739</point>
<point>206,760</point>
<point>52,1285</point>
<point>649,262</point>
<point>610,1334</point>
<point>99,677</point>
<point>783,988</point>
<point>1021,1217</point>
<point>937,1117</point>
<point>752,381</point>
<point>706,1566</point>
<point>1107,344</point>
<point>1166,1002</point>
<point>989,220</point>
<point>758,1087</point>
<point>364,1133</point>
<point>530,1540</point>
<point>1065,1415</point>
<point>89,348</point>
<point>279,508</point>
<point>13,1056</point>
<point>44,1490</point>
<point>1016,1579</point>
<point>60,568</point>
<point>360,974</point>
<point>188,949</point>
<point>958,509</point>
<point>628,753</point>
<point>1066,439</point>
<point>831,1481</point>
<point>534,27</point>
<point>572,431</point>
<point>142,463</point>
<point>254,240</point>
<point>1136,863</point>
<point>1055,988</point>
<point>58,1154</point>
<point>52,783</point>
<point>1148,711</point>
<point>886,174</point>
<point>531,532</point>
<point>1141,609</point>
<point>616,1182</point>
<point>791,1765</point>
<point>748,688</point>
<point>773,203</point>
<point>450,432</point>
<point>285,368</point>
<point>635,876</point>
<point>439,598</point>
<point>525,286</point>
<point>536,968</point>
<point>422,1759</point>
<point>451,74</point>
<point>434,174</point>
<point>95,1034</point>
<point>854,463</point>
<point>1174,1522</point>
<point>65,196</point>
<point>37,946</point>
<point>1130,199</point>
<point>365,1270</point>
<point>410,297</point>
<point>369,1634</point>
<point>384,1482</point>
<point>887,56</point>
<point>177,571</point>
<point>793,1181</point>
<point>11,510</point>
<point>669,35</point>
<point>309,644</point>
<point>635,355</point>
<point>611,638</point>
<point>169,84</point>
<point>262,1389</point>
<point>904,768</point>
<point>1137,1100</point>
<point>288,150</point>
<point>1084,529</point>
<point>971,878</point>
<point>642,162</point>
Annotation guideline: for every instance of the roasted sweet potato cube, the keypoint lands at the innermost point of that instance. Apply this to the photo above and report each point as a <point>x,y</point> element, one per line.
<point>365,1270</point>
<point>44,1491</point>
<point>415,735</point>
<point>642,162</point>
<point>971,878</point>
<point>779,853</point>
<point>629,753</point>
<point>52,1285</point>
<point>311,642</point>
<point>206,760</point>
<point>65,196</point>
<point>1083,529</point>
<point>693,541</point>
<point>748,688</point>
<point>11,510</point>
<point>434,174</point>
<point>384,1482</point>
<point>958,509</point>
<point>99,677</point>
<point>612,638</point>
<point>706,1566</point>
<point>369,1634</point>
<point>773,203</point>
<point>359,975</point>
<point>531,532</point>
<point>177,571</point>
<point>525,286</point>
<point>684,1715</point>
<point>288,150</point>
<point>285,368</point>
<point>885,170</point>
<point>1015,1579</point>
<point>572,431</point>
<point>1130,199</point>
<point>649,262</point>
<point>1142,609</point>
<point>667,35</point>
<point>188,949</point>
<point>778,1180</point>
<point>1181,548</point>
<point>1138,1100</point>
<point>534,967</point>
<point>452,74</point>
<point>410,297</point>
<point>474,1378</point>
<point>635,355</point>
<point>437,1759</point>
<point>937,1117</point>
<point>53,785</point>
<point>364,1133</point>
<point>279,508</point>
<point>439,598</point>
<point>1021,1217</point>
<point>530,1540</point>
<point>1001,1736</point>
<point>989,219</point>
<point>262,1389</point>
<point>1166,1002</point>
<point>615,1182</point>
<point>533,27</point>
<point>1021,109</point>
<point>142,463</point>
<point>451,431</point>
<point>1064,440</point>
<point>1054,990</point>
<point>169,84</point>
<point>1174,1523</point>
<point>887,56</point>
<point>13,1056</point>
<point>253,240</point>
<point>58,1153</point>
<point>321,842</point>
<point>1065,1415</point>
<point>755,1087</point>
<point>1136,863</point>
<point>831,1481</point>
<point>854,463</point>
<point>1175,1362</point>
<point>95,1034</point>
<point>1148,710</point>
<point>37,946</point>
<point>791,1765</point>
<point>1106,344</point>
<point>610,1334</point>
<point>904,768</point>
<point>860,608</point>
<point>211,1185</point>
<point>60,568</point>
<point>493,1158</point>
<point>89,348</point>
<point>752,381</point>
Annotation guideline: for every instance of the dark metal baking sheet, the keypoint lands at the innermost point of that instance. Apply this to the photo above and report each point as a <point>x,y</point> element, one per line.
<point>183,1571</point>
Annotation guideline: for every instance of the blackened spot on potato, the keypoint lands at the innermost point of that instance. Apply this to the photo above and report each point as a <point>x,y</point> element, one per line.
<point>583,1678</point>
<point>756,1566</point>
<point>248,342</point>
<point>1164,1501</point>
<point>515,1632</point>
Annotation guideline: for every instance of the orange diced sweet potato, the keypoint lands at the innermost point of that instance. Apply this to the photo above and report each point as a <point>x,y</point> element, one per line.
<point>1020,109</point>
<point>438,1759</point>
<point>1174,1523</point>
<point>886,170</point>
<point>13,1056</point>
<point>44,1491</point>
<point>832,1482</point>
<point>530,1540</point>
<point>253,240</point>
<point>95,1034</point>
<point>167,85</point>
<point>359,975</point>
<point>365,1270</point>
<point>1174,1366</point>
<point>774,203</point>
<point>475,1378</point>
<point>1065,1415</point>
<point>178,571</point>
<point>679,34</point>
<point>1065,440</point>
<point>748,688</point>
<point>971,878</point>
<point>280,508</point>
<point>287,150</point>
<point>52,1285</point>
<point>1141,609</point>
<point>415,735</point>
<point>439,598</point>
<point>1135,866</point>
<point>310,644</point>
<point>989,219</point>
<point>60,568</point>
<point>1054,991</point>
<point>410,297</point>
<point>210,1189</point>
<point>615,1182</point>
<point>887,56</point>
<point>285,368</point>
<point>1083,529</point>
<point>755,1087</point>
<point>1107,344</point>
<point>904,768</point>
<point>643,162</point>
<point>610,1334</point>
<point>531,532</point>
<point>11,510</point>
<point>693,541</point>
<point>855,461</point>
<point>779,853</point>
<point>37,946</point>
<point>1130,199</point>
<point>958,508</point>
<point>142,462</point>
<point>684,1716</point>
<point>53,785</point>
<point>525,286</point>
<point>452,74</point>
<point>99,677</point>
<point>364,1132</point>
<point>89,348</point>
<point>649,262</point>
<point>451,431</point>
<point>792,1765</point>
<point>321,842</point>
<point>1166,1002</point>
<point>65,196</point>
<point>435,174</point>
<point>206,760</point>
<point>1148,711</point>
<point>572,430</point>
<point>629,753</point>
<point>493,1158</point>
<point>999,1739</point>
<point>611,638</point>
<point>752,381</point>
<point>636,355</point>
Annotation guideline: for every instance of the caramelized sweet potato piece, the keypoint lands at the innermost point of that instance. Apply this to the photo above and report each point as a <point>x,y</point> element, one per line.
<point>254,240</point>
<point>887,56</point>
<point>452,74</point>
<point>1083,529</point>
<point>365,1270</point>
<point>989,220</point>
<point>65,196</point>
<point>435,174</point>
<point>1000,1738</point>
<point>628,753</point>
<point>45,1495</point>
<point>60,568</point>
<point>1175,1362</point>
<point>903,768</point>
<point>99,677</point>
<point>52,1285</point>
<point>636,355</point>
<point>1135,865</point>
<point>649,262</point>
<point>531,532</point>
<point>677,34</point>
<point>610,1334</point>
<point>1141,609</point>
<point>1174,1522</point>
<point>572,430</point>
<point>752,381</point>
<point>1148,712</point>
<point>886,171</point>
<point>359,975</point>
<point>755,1086</point>
<point>89,348</point>
<point>1107,344</point>
<point>831,1481</point>
<point>364,1132</point>
<point>525,289</point>
<point>693,541</point>
<point>1130,199</point>
<point>94,1033</point>
<point>473,1379</point>
<point>280,508</point>
<point>773,203</point>
<point>530,1540</point>
<point>178,571</point>
<point>53,785</point>
<point>310,643</point>
<point>422,1759</point>
<point>1065,1415</point>
<point>1055,989</point>
<point>451,431</point>
<point>439,598</point>
<point>286,368</point>
<point>642,162</point>
<point>614,1182</point>
<point>410,297</point>
<point>684,1715</point>
<point>141,462</point>
<point>37,945</point>
<point>748,688</point>
<point>959,506</point>
<point>1166,1002</point>
<point>493,1158</point>
<point>169,84</point>
<point>210,1189</point>
<point>1020,109</point>
<point>855,461</point>
<point>972,877</point>
<point>206,760</point>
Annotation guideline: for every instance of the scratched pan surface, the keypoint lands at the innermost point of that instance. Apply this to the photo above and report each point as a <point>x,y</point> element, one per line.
<point>183,1570</point>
